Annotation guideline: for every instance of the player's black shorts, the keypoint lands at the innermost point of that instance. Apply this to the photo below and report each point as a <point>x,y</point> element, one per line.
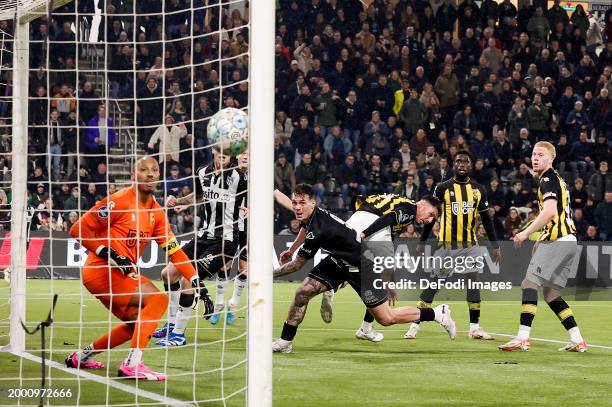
<point>333,273</point>
<point>242,241</point>
<point>210,255</point>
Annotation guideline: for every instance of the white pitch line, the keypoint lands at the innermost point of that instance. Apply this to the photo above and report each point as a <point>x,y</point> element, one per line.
<point>106,381</point>
<point>554,341</point>
<point>492,333</point>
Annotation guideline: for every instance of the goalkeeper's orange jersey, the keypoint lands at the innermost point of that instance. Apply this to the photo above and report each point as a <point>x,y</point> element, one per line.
<point>120,221</point>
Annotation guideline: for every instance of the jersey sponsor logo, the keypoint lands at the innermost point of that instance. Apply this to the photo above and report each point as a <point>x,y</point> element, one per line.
<point>310,236</point>
<point>549,194</point>
<point>133,217</point>
<point>133,237</point>
<point>545,179</point>
<point>462,208</point>
<point>212,195</point>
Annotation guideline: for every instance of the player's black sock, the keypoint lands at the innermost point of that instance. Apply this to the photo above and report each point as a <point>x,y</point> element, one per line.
<point>242,277</point>
<point>368,317</point>
<point>421,303</point>
<point>564,312</point>
<point>172,287</point>
<point>427,314</point>
<point>473,300</point>
<point>530,306</point>
<point>289,332</point>
<point>186,300</point>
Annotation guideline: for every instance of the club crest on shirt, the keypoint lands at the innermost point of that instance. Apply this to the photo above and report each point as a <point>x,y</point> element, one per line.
<point>103,212</point>
<point>152,219</point>
<point>310,236</point>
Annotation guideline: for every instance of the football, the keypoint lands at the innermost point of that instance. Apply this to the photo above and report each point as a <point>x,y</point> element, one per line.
<point>228,131</point>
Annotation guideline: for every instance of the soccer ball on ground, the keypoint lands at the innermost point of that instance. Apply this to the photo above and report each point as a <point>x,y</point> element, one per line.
<point>228,131</point>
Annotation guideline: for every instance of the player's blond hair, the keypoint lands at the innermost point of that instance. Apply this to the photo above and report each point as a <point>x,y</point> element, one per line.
<point>545,144</point>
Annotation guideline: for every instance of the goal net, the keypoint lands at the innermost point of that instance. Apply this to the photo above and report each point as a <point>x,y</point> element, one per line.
<point>109,82</point>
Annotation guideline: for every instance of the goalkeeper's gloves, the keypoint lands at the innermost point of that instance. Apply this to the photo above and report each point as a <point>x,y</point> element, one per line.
<point>116,260</point>
<point>202,294</point>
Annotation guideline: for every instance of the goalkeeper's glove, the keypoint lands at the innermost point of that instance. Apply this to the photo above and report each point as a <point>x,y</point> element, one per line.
<point>116,260</point>
<point>202,294</point>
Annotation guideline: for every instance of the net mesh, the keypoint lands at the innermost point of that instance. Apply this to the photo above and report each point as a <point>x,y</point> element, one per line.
<point>109,82</point>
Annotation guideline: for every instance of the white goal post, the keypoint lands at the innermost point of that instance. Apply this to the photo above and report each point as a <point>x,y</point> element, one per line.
<point>260,200</point>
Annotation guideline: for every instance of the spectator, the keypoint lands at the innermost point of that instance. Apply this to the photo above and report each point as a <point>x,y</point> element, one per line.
<point>517,119</point>
<point>443,172</point>
<point>64,101</point>
<point>481,148</point>
<point>538,115</point>
<point>578,194</point>
<point>76,202</point>
<point>481,174</point>
<point>283,127</point>
<point>284,178</point>
<point>168,136</point>
<point>101,135</point>
<point>292,230</point>
<point>512,223</point>
<point>375,129</point>
<point>580,223</point>
<point>413,114</point>
<point>486,108</point>
<point>336,146</point>
<point>428,187</point>
<point>328,107</point>
<point>303,105</point>
<point>174,183</point>
<point>408,188</point>
<point>304,140</point>
<point>581,153</point>
<point>592,235</point>
<point>350,178</point>
<point>353,118</point>
<point>602,148</point>
<point>311,173</point>
<point>38,178</point>
<point>577,121</point>
<point>447,89</point>
<point>54,143</point>
<point>88,102</point>
<point>101,179</point>
<point>603,217</point>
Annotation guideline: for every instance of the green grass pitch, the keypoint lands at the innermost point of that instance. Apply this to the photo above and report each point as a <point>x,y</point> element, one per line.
<point>329,367</point>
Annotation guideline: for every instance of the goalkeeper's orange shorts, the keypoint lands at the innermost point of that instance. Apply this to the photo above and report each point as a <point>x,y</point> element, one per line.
<point>115,290</point>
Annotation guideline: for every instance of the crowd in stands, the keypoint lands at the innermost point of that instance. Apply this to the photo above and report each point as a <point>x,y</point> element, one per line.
<point>379,100</point>
<point>374,99</point>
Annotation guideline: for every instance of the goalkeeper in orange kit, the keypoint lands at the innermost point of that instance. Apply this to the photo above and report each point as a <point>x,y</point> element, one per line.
<point>116,232</point>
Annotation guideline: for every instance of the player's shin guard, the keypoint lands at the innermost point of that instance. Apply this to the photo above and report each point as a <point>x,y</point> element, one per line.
<point>566,316</point>
<point>240,283</point>
<point>473,300</point>
<point>183,313</point>
<point>528,310</point>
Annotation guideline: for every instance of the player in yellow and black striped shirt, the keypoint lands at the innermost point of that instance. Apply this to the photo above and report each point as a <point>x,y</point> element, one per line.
<point>554,254</point>
<point>462,200</point>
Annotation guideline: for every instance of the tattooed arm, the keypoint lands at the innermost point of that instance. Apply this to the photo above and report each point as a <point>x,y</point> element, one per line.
<point>291,267</point>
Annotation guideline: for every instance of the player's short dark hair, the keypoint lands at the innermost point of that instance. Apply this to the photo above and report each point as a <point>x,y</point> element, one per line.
<point>304,189</point>
<point>465,152</point>
<point>433,201</point>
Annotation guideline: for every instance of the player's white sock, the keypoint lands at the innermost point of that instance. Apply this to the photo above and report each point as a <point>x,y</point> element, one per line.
<point>366,326</point>
<point>173,305</point>
<point>283,342</point>
<point>220,297</point>
<point>86,353</point>
<point>523,332</point>
<point>134,357</point>
<point>182,319</point>
<point>239,286</point>
<point>575,335</point>
<point>474,327</point>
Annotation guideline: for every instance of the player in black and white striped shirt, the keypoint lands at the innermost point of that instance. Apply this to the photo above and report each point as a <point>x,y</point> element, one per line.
<point>220,190</point>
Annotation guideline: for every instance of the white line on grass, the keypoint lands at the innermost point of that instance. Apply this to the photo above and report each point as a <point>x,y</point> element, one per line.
<point>106,381</point>
<point>492,333</point>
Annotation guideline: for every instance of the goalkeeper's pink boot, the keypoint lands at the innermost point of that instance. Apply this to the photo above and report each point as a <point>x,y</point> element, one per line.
<point>140,371</point>
<point>73,361</point>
